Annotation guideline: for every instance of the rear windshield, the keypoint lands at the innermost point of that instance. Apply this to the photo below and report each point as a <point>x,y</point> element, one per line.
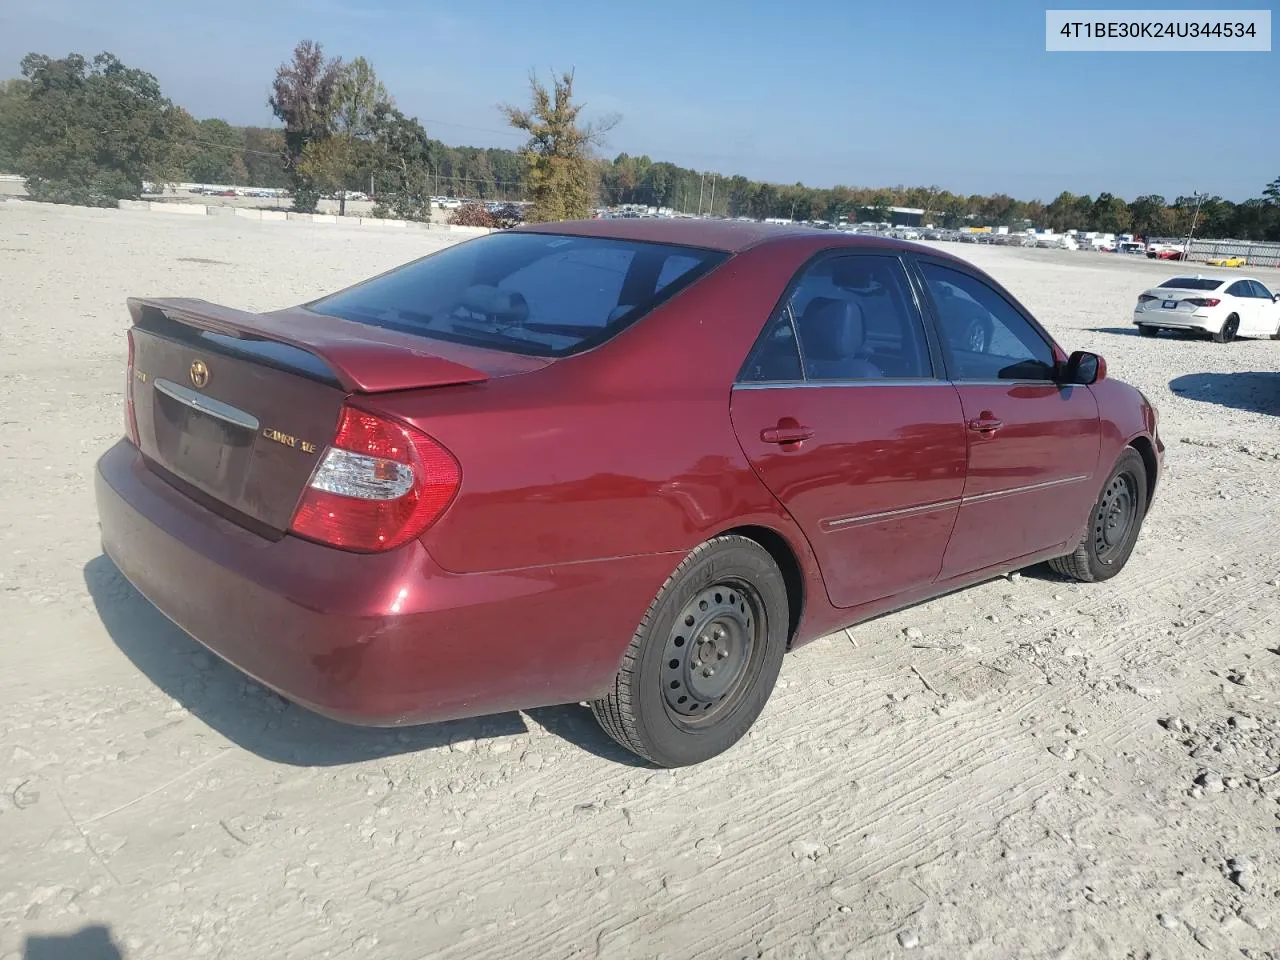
<point>1192,283</point>
<point>546,295</point>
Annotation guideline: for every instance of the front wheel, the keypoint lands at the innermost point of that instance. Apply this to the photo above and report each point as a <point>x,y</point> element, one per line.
<point>704,661</point>
<point>1114,524</point>
<point>1230,327</point>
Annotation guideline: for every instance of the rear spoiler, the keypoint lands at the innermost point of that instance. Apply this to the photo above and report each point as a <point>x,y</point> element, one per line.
<point>361,358</point>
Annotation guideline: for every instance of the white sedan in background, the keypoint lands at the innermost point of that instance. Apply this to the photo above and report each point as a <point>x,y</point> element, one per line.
<point>1226,307</point>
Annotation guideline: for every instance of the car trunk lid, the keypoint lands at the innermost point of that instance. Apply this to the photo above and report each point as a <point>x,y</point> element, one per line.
<point>236,408</point>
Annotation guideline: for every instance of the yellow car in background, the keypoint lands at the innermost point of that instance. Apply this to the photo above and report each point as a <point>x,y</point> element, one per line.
<point>1227,262</point>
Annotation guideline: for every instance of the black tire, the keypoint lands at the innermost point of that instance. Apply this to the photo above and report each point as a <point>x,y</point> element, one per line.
<point>1114,524</point>
<point>1146,330</point>
<point>1228,331</point>
<point>730,585</point>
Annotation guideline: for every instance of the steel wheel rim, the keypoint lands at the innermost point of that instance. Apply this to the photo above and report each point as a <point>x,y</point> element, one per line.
<point>706,664</point>
<point>1115,517</point>
<point>1229,331</point>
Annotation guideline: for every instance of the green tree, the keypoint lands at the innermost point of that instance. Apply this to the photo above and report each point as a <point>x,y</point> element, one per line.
<point>302,96</point>
<point>1271,192</point>
<point>402,161</point>
<point>89,132</point>
<point>1061,211</point>
<point>558,157</point>
<point>357,97</point>
<point>13,103</point>
<point>878,206</point>
<point>216,154</point>
<point>327,164</point>
<point>1149,215</point>
<point>264,156</point>
<point>1110,214</point>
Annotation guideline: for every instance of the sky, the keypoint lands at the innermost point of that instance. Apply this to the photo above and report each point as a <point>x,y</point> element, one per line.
<point>961,95</point>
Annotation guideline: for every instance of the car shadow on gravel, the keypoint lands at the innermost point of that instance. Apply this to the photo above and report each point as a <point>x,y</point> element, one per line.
<point>1118,331</point>
<point>89,943</point>
<point>259,720</point>
<point>1257,391</point>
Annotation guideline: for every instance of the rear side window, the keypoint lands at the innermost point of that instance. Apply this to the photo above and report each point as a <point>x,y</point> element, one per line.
<point>847,318</point>
<point>1240,288</point>
<point>1192,283</point>
<point>532,293</point>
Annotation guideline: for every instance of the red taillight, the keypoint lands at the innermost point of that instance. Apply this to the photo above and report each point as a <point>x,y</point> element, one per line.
<point>377,486</point>
<point>130,415</point>
<point>1146,298</point>
<point>1204,301</point>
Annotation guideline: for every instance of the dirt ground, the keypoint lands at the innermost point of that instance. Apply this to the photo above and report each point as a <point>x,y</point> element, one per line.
<point>1044,769</point>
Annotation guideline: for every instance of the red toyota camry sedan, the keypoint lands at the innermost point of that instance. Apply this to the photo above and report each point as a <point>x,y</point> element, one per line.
<point>628,462</point>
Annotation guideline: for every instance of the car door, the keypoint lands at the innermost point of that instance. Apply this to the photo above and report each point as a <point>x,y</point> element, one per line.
<point>1032,443</point>
<point>844,414</point>
<point>1244,305</point>
<point>1266,322</point>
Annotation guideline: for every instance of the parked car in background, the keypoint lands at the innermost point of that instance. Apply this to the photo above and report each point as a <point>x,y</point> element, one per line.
<point>630,462</point>
<point>1224,307</point>
<point>1227,262</point>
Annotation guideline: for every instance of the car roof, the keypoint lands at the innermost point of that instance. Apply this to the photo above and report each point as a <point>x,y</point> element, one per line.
<point>1211,277</point>
<point>729,236</point>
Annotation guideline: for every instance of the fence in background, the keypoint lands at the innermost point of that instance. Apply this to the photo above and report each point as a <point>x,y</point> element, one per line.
<point>1256,252</point>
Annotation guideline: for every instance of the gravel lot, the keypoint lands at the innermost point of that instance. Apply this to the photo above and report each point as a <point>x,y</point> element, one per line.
<point>1046,769</point>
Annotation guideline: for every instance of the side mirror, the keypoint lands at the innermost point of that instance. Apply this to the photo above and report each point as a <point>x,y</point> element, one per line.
<point>1084,368</point>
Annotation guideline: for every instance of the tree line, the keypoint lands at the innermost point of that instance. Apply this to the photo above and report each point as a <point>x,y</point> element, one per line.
<point>91,131</point>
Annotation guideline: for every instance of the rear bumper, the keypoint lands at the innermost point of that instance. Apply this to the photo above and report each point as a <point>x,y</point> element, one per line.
<point>378,640</point>
<point>1172,320</point>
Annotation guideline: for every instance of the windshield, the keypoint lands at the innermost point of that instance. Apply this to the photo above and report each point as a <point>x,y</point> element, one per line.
<point>1192,283</point>
<point>541,294</point>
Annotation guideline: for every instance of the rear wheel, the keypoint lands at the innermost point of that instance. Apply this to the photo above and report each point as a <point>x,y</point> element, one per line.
<point>1228,331</point>
<point>704,661</point>
<point>1146,330</point>
<point>1114,524</point>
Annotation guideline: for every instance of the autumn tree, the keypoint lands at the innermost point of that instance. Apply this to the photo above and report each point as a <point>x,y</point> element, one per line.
<point>558,157</point>
<point>302,96</point>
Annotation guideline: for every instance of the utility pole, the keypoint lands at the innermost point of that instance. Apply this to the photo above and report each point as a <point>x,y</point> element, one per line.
<point>701,180</point>
<point>712,209</point>
<point>1186,250</point>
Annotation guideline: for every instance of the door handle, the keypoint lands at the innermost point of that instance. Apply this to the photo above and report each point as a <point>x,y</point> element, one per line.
<point>986,424</point>
<point>786,434</point>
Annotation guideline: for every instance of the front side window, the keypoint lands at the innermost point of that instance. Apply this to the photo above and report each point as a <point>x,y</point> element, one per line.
<point>984,336</point>
<point>533,293</point>
<point>846,318</point>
